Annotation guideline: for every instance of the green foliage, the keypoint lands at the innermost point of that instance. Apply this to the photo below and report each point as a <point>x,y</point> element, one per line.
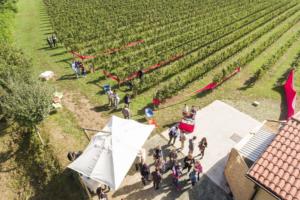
<point>23,99</point>
<point>242,61</point>
<point>26,104</point>
<point>7,11</point>
<point>172,87</point>
<point>37,160</point>
<point>187,28</point>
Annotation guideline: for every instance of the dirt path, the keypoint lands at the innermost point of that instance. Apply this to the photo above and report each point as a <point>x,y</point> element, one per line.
<point>86,115</point>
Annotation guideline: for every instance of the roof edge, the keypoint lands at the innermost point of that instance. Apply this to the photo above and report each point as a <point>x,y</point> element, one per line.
<point>262,186</point>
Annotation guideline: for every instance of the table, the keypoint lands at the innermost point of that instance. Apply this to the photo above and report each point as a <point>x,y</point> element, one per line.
<point>187,125</point>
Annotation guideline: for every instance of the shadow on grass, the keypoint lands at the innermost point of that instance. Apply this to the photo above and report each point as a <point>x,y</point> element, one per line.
<point>97,81</point>
<point>249,83</point>
<point>101,108</point>
<point>67,77</point>
<point>43,171</point>
<point>62,186</point>
<point>59,54</point>
<point>65,60</point>
<point>47,48</point>
<point>283,107</point>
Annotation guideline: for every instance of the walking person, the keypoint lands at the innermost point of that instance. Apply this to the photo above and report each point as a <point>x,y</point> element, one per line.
<point>160,165</point>
<point>198,168</point>
<point>185,110</point>
<point>173,134</point>
<point>176,173</point>
<point>193,112</point>
<point>156,177</point>
<point>188,162</point>
<point>126,112</point>
<point>110,97</point>
<point>157,153</point>
<point>193,177</point>
<point>172,158</point>
<point>202,146</point>
<point>101,194</point>
<point>141,158</point>
<point>145,171</point>
<point>192,145</point>
<point>127,99</point>
<point>54,40</point>
<point>116,99</point>
<point>49,41</point>
<point>83,71</point>
<point>182,139</point>
<point>92,68</point>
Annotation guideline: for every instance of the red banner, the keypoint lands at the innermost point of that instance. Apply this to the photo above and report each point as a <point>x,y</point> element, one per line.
<point>81,56</point>
<point>290,93</point>
<point>213,85</point>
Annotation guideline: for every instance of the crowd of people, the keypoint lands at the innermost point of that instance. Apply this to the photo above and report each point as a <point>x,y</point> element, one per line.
<point>78,69</point>
<point>192,166</point>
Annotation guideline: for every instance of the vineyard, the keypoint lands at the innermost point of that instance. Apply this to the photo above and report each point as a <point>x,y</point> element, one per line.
<point>174,43</point>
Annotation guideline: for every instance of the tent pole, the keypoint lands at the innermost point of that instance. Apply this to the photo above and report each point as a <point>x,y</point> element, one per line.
<point>88,129</point>
<point>86,134</point>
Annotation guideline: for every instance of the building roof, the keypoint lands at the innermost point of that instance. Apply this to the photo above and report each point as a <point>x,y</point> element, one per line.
<point>278,169</point>
<point>256,144</point>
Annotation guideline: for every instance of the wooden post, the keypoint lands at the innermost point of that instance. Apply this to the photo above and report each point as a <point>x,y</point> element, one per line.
<point>38,132</point>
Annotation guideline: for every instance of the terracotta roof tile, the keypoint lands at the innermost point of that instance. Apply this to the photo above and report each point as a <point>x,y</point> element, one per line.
<point>276,180</point>
<point>292,180</point>
<point>278,169</point>
<point>293,191</point>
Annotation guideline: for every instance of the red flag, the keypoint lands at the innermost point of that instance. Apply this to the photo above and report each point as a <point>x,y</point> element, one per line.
<point>290,93</point>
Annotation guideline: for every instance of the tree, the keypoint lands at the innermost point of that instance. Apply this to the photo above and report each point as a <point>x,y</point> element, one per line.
<point>23,99</point>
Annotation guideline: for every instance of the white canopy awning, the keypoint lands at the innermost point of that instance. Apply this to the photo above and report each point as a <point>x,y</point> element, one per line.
<point>109,156</point>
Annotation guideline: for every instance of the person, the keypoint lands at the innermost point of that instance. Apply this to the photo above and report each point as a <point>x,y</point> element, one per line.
<point>198,168</point>
<point>202,146</point>
<point>127,99</point>
<point>92,68</point>
<point>188,162</point>
<point>156,177</point>
<point>74,68</point>
<point>49,41</point>
<point>157,153</point>
<point>173,158</point>
<point>173,134</point>
<point>54,39</point>
<point>77,68</point>
<point>116,99</point>
<point>110,97</point>
<point>193,112</point>
<point>141,158</point>
<point>192,145</point>
<point>140,74</point>
<point>160,164</point>
<point>182,139</point>
<point>185,111</point>
<point>145,171</point>
<point>126,112</point>
<point>193,177</point>
<point>73,155</point>
<point>101,195</point>
<point>83,71</point>
<point>176,173</point>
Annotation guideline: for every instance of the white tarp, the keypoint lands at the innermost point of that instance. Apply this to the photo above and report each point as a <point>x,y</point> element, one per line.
<point>47,75</point>
<point>109,156</point>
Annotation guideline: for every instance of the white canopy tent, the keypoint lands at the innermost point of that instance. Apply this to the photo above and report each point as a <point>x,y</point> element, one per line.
<point>110,153</point>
